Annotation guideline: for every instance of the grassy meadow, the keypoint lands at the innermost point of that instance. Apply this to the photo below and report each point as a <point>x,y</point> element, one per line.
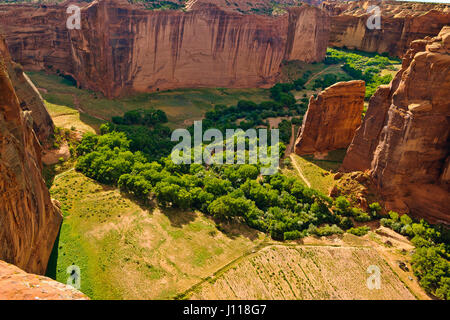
<point>129,251</point>
<point>126,251</point>
<point>182,106</point>
<point>319,172</point>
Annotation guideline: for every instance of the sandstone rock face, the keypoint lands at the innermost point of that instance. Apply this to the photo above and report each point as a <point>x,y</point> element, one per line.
<point>332,118</point>
<point>29,221</point>
<point>404,138</point>
<point>29,97</point>
<point>125,48</point>
<point>263,7</point>
<point>401,23</point>
<point>16,284</point>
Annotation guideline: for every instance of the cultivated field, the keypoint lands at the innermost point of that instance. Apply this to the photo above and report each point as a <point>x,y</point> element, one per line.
<point>304,272</point>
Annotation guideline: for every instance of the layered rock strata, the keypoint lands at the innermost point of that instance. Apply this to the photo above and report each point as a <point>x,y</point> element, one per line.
<point>401,23</point>
<point>29,220</point>
<point>124,48</point>
<point>29,97</point>
<point>404,138</point>
<point>332,118</point>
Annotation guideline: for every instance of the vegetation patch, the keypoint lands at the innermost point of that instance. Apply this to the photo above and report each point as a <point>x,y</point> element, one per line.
<point>126,251</point>
<point>431,259</point>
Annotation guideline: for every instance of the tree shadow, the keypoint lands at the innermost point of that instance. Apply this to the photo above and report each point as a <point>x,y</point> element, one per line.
<point>177,217</point>
<point>234,229</point>
<point>329,162</point>
<point>53,260</point>
<point>147,205</point>
<point>91,121</point>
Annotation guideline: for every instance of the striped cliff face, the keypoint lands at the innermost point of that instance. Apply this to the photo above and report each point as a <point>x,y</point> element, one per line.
<point>401,23</point>
<point>122,48</point>
<point>403,139</point>
<point>28,218</point>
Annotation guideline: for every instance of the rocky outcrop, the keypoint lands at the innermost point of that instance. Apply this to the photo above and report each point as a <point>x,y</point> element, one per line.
<point>332,118</point>
<point>29,221</point>
<point>124,48</point>
<point>404,138</point>
<point>29,97</point>
<point>16,284</point>
<point>401,23</point>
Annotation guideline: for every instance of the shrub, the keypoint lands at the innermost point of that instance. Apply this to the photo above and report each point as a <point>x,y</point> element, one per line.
<point>325,230</point>
<point>360,216</point>
<point>375,209</point>
<point>292,235</point>
<point>359,231</point>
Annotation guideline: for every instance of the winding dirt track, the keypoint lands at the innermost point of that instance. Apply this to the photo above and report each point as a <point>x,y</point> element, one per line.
<point>299,170</point>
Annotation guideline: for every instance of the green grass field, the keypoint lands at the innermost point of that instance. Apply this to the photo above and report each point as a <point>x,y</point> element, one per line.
<point>70,118</point>
<point>126,251</point>
<point>319,172</point>
<point>182,106</point>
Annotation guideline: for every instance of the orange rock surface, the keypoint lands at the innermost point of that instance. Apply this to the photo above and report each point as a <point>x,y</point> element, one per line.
<point>124,48</point>
<point>404,138</point>
<point>332,118</point>
<point>29,221</point>
<point>29,97</point>
<point>401,23</point>
<point>16,284</point>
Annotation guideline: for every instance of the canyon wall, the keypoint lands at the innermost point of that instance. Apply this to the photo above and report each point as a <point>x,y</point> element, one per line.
<point>332,118</point>
<point>401,23</point>
<point>404,138</point>
<point>29,220</point>
<point>124,48</point>
<point>16,284</point>
<point>29,97</point>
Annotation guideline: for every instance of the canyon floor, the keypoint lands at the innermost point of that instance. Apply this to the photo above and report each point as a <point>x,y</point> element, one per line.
<point>129,251</point>
<point>126,251</point>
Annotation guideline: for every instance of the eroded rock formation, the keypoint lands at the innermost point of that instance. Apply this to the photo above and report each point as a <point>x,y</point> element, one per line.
<point>332,118</point>
<point>404,138</point>
<point>123,48</point>
<point>29,97</point>
<point>16,284</point>
<point>29,221</point>
<point>401,23</point>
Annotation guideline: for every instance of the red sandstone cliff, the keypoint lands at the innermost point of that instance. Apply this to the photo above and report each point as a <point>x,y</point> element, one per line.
<point>404,138</point>
<point>16,284</point>
<point>29,221</point>
<point>29,97</point>
<point>124,48</point>
<point>332,118</point>
<point>401,23</point>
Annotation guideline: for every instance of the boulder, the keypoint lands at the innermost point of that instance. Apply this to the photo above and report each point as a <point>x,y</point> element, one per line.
<point>16,284</point>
